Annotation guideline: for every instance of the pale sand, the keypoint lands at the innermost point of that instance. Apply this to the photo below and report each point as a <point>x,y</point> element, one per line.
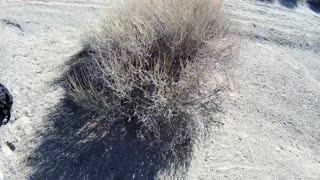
<point>272,117</point>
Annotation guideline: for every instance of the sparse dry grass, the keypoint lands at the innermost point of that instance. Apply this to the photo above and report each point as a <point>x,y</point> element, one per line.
<point>146,67</point>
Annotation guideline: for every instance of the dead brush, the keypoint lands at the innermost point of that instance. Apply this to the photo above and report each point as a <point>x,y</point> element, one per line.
<point>145,69</point>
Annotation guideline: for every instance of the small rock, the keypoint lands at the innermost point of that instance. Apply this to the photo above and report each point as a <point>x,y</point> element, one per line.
<point>11,146</point>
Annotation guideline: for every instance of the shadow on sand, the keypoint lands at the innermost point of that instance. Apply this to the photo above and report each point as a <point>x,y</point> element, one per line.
<point>315,7</point>
<point>79,146</point>
<point>267,1</point>
<point>289,3</point>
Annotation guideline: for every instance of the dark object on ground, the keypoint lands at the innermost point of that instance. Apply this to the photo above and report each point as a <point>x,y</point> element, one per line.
<point>6,101</point>
<point>11,146</point>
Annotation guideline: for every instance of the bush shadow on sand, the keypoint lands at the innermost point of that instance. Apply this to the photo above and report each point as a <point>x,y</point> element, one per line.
<point>286,3</point>
<point>75,147</point>
<point>314,7</point>
<point>291,4</point>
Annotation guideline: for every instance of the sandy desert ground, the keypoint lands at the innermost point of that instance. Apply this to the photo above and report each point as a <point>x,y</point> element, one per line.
<point>271,117</point>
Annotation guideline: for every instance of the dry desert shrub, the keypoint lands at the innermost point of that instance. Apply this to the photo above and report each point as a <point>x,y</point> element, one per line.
<point>145,69</point>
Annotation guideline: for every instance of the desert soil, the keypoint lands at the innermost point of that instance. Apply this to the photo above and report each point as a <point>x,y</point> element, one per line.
<point>271,117</point>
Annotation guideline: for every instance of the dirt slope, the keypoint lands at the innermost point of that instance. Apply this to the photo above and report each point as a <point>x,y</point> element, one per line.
<point>272,117</point>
